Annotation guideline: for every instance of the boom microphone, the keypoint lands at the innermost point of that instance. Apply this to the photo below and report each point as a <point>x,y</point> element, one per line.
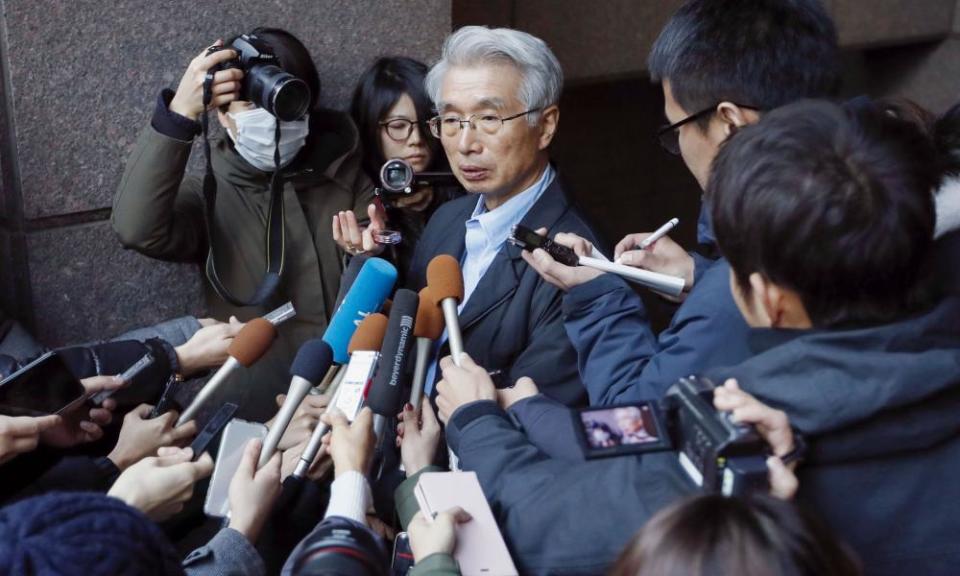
<point>385,397</point>
<point>446,284</point>
<point>250,344</point>
<point>367,337</point>
<point>311,363</point>
<point>428,328</point>
<point>366,296</point>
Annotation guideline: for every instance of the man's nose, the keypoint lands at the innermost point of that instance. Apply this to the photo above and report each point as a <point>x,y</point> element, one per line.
<point>467,141</point>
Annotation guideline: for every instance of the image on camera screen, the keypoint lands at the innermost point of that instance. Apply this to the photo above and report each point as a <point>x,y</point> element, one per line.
<point>620,429</point>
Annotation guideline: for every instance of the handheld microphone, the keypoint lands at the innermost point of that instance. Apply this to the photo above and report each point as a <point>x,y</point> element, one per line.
<point>385,397</point>
<point>349,276</point>
<point>311,363</point>
<point>250,344</point>
<point>366,296</point>
<point>367,337</point>
<point>446,283</point>
<point>427,328</point>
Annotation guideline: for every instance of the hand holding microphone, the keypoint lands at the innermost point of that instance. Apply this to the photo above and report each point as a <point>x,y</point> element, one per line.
<point>462,384</point>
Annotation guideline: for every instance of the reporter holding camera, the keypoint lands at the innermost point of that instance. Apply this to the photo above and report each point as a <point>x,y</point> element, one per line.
<point>391,107</point>
<point>159,211</point>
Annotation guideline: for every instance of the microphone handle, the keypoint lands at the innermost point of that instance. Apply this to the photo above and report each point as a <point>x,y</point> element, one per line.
<point>420,371</point>
<point>208,389</point>
<point>299,388</point>
<point>329,377</point>
<point>452,320</point>
<point>313,446</point>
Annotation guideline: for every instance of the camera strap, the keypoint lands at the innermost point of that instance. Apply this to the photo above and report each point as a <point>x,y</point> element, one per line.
<point>275,236</point>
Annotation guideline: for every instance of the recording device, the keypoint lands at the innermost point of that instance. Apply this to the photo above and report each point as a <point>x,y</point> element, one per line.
<point>44,386</point>
<point>250,344</point>
<point>128,375</point>
<point>340,546</point>
<point>446,284</point>
<point>428,328</point>
<point>213,427</point>
<point>386,392</point>
<point>264,82</point>
<point>527,239</point>
<point>234,441</point>
<point>402,560</point>
<point>311,363</point>
<point>718,454</point>
<point>397,177</point>
<point>372,286</point>
<point>281,314</point>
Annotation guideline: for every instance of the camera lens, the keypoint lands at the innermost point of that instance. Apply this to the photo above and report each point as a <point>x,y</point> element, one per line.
<point>280,93</point>
<point>396,176</point>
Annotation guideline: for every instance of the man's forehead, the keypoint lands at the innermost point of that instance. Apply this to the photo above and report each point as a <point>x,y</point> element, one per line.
<point>480,86</point>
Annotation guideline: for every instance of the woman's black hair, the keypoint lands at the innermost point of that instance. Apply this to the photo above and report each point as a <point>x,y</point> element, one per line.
<point>380,87</point>
<point>293,55</point>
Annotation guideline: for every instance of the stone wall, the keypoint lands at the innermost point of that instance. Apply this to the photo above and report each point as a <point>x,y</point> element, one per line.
<point>78,81</point>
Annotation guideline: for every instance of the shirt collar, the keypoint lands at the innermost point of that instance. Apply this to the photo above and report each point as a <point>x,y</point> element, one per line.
<point>496,224</point>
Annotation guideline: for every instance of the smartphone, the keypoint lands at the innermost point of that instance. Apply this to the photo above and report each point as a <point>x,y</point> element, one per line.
<point>234,440</point>
<point>402,560</point>
<point>44,386</point>
<point>128,375</point>
<point>213,427</point>
<point>623,429</point>
<point>529,240</point>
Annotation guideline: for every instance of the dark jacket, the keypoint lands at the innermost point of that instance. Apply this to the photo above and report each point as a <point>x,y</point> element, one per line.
<point>158,211</point>
<point>880,408</point>
<point>620,358</point>
<point>512,322</point>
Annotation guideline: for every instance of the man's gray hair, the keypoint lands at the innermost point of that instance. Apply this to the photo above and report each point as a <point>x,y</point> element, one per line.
<point>473,45</point>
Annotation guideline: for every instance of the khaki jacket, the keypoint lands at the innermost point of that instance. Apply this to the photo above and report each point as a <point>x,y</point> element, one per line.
<point>158,211</point>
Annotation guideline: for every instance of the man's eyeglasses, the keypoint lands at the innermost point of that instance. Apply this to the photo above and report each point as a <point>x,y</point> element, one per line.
<point>399,129</point>
<point>449,126</point>
<point>670,135</point>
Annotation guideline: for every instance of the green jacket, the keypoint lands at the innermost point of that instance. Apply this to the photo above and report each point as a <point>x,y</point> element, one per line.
<point>407,507</point>
<point>159,212</point>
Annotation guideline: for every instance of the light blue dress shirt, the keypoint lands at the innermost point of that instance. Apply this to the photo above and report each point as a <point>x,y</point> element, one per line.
<point>487,232</point>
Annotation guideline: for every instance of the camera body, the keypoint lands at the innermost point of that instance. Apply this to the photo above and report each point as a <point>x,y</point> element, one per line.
<point>265,82</point>
<point>398,178</point>
<point>715,452</point>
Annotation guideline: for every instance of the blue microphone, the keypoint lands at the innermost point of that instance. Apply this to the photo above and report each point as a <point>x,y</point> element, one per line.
<point>312,362</point>
<point>372,286</point>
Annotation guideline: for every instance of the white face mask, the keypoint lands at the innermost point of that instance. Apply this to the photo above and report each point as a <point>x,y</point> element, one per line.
<point>254,137</point>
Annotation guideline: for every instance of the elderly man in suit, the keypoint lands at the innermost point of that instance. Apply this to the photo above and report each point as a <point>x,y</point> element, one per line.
<point>497,94</point>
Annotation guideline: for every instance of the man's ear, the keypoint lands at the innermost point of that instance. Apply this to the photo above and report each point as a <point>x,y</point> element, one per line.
<point>733,117</point>
<point>549,120</point>
<point>776,306</point>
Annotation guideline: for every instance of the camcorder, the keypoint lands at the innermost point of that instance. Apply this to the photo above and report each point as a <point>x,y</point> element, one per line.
<point>716,453</point>
<point>398,178</point>
<point>265,83</point>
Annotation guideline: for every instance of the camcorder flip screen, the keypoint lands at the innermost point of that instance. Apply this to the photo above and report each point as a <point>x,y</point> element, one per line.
<point>624,429</point>
<point>45,386</point>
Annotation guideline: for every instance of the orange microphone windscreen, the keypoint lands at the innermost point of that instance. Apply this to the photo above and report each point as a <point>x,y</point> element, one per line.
<point>252,341</point>
<point>369,334</point>
<point>385,309</point>
<point>429,322</point>
<point>444,278</point>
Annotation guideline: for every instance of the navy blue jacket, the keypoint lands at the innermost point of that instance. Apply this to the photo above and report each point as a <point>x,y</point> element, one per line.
<point>880,409</point>
<point>513,320</point>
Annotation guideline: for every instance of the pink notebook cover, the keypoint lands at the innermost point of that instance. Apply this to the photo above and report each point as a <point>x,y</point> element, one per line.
<point>480,550</point>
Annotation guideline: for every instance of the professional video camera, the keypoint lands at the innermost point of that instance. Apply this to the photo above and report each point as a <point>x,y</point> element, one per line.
<point>718,454</point>
<point>265,83</point>
<point>397,178</point>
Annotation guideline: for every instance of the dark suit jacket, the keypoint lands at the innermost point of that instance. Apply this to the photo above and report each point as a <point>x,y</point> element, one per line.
<point>513,320</point>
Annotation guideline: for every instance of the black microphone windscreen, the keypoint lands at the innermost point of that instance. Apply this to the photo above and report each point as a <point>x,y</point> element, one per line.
<point>313,360</point>
<point>385,396</point>
<point>349,276</point>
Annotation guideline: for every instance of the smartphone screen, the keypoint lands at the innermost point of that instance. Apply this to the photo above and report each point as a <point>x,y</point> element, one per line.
<point>232,444</point>
<point>625,429</point>
<point>45,386</point>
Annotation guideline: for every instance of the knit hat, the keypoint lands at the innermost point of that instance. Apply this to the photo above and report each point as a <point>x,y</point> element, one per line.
<point>82,533</point>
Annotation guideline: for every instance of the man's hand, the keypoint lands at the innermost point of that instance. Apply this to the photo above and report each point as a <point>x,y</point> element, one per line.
<point>159,485</point>
<point>353,238</point>
<point>291,458</point>
<point>82,425</point>
<point>436,537</point>
<point>207,348</point>
<point>304,419</point>
<point>557,274</point>
<point>664,256</point>
<point>253,492</point>
<point>462,385</point>
<point>188,101</point>
<point>140,437</point>
<point>350,445</point>
<point>21,434</point>
<point>524,388</point>
<point>418,435</point>
<point>772,425</point>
